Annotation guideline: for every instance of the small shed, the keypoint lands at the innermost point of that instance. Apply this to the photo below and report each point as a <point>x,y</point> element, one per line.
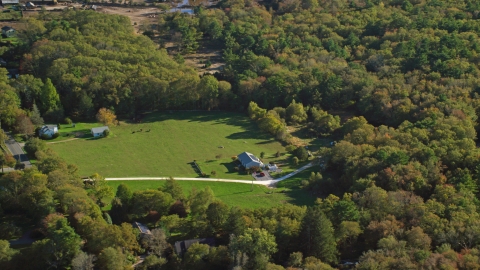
<point>8,31</point>
<point>182,246</point>
<point>98,131</point>
<point>249,160</point>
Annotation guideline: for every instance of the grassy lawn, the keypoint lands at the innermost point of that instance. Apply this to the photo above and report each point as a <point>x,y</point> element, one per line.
<point>233,194</point>
<point>296,180</point>
<point>68,132</point>
<point>168,144</point>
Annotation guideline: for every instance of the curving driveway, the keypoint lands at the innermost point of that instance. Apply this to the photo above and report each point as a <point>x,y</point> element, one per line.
<point>265,183</point>
<point>17,151</point>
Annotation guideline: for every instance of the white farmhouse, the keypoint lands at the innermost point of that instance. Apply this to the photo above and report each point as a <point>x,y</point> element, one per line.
<point>248,160</point>
<point>48,130</point>
<point>98,131</point>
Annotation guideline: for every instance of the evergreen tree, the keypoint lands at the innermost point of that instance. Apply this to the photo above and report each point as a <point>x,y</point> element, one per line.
<point>317,236</point>
<point>173,188</point>
<point>36,118</point>
<point>49,97</point>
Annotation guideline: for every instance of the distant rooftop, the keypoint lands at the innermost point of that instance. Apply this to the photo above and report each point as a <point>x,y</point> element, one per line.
<point>99,129</point>
<point>143,229</point>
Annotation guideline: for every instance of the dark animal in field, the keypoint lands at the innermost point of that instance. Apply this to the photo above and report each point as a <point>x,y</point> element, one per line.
<point>133,131</point>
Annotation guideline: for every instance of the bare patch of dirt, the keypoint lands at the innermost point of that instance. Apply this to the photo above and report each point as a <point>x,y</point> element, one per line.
<point>138,16</point>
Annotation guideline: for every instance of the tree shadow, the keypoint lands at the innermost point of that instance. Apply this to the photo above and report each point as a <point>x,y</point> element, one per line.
<point>300,197</point>
<point>195,168</point>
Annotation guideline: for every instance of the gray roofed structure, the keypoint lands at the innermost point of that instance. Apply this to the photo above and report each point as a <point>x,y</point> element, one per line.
<point>99,129</point>
<point>10,2</point>
<point>249,160</point>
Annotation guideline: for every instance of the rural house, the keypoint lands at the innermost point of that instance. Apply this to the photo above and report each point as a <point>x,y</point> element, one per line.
<point>48,130</point>
<point>8,31</point>
<point>248,160</point>
<point>98,131</point>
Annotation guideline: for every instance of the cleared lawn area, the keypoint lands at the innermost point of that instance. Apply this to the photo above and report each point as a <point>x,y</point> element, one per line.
<point>81,130</point>
<point>233,194</point>
<point>168,143</point>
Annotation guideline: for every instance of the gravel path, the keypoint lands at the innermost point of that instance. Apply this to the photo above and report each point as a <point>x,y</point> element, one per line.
<point>265,183</point>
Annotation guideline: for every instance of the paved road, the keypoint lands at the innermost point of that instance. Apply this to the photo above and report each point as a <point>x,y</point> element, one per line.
<point>17,151</point>
<point>265,183</point>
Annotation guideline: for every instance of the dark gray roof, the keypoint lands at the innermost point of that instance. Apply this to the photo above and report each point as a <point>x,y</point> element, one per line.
<point>51,126</point>
<point>182,246</point>
<point>6,28</point>
<point>99,129</point>
<point>247,157</point>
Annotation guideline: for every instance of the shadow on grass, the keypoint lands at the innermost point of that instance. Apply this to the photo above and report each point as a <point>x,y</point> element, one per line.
<point>217,117</point>
<point>300,197</point>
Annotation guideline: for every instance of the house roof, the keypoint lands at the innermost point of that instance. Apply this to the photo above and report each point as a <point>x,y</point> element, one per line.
<point>247,157</point>
<point>7,28</point>
<point>50,126</point>
<point>99,129</point>
<point>7,2</point>
<point>143,229</point>
<point>182,246</point>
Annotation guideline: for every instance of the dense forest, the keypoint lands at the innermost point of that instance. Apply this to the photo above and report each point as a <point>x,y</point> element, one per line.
<point>398,190</point>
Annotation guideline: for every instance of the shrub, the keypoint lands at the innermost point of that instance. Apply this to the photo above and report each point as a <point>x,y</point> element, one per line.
<point>33,145</point>
<point>295,160</point>
<point>213,173</point>
<point>219,156</point>
<point>68,121</point>
<point>301,153</point>
<point>106,132</point>
<point>19,166</point>
<point>234,158</point>
<point>277,154</point>
<point>55,135</point>
<point>45,137</point>
<point>59,126</point>
<point>204,174</point>
<point>9,230</point>
<point>262,154</point>
<point>290,148</point>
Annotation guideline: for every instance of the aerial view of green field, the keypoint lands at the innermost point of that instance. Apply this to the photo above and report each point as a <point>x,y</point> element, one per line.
<point>166,144</point>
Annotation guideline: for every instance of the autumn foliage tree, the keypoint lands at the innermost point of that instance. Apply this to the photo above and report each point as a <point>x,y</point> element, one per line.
<point>106,117</point>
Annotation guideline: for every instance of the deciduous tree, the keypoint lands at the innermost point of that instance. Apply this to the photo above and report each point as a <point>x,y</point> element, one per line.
<point>106,117</point>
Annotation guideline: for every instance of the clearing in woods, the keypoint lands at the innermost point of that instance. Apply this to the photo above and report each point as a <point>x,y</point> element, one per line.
<point>166,144</point>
